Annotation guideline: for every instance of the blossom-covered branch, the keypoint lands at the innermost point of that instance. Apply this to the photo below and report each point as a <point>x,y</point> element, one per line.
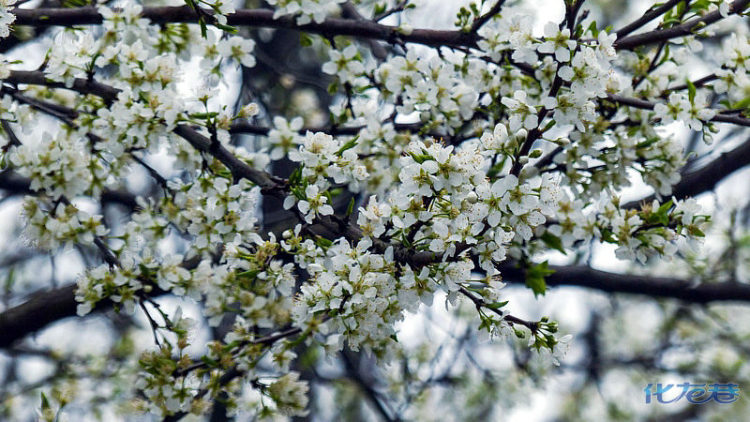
<point>351,27</point>
<point>254,18</point>
<point>686,28</point>
<point>417,174</point>
<point>23,320</point>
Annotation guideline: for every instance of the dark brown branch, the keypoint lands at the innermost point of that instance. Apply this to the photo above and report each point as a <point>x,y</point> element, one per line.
<point>248,128</point>
<point>368,390</point>
<point>648,105</point>
<point>480,303</point>
<point>45,17</point>
<point>707,177</point>
<point>647,17</point>
<point>254,18</point>
<point>239,168</point>
<point>47,307</point>
<point>655,287</point>
<point>481,20</point>
<point>696,83</point>
<point>84,86</point>
<point>685,29</point>
<point>12,182</point>
<point>350,11</point>
<point>36,313</point>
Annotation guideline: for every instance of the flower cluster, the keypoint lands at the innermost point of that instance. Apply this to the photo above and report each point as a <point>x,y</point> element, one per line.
<point>511,34</point>
<point>346,65</point>
<point>321,158</point>
<point>655,230</point>
<point>361,294</point>
<point>59,166</point>
<point>6,18</point>
<point>258,287</point>
<point>284,137</point>
<point>214,211</point>
<point>693,110</point>
<point>290,394</point>
<point>306,10</point>
<point>64,224</point>
<point>440,91</point>
<point>597,162</point>
<point>446,205</point>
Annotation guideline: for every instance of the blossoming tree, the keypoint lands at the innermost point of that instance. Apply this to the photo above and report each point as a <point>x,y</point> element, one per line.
<point>300,178</point>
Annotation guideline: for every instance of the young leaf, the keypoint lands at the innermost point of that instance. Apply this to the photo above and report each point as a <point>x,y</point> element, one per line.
<point>691,91</point>
<point>349,145</point>
<point>535,275</point>
<point>350,207</point>
<point>553,242</point>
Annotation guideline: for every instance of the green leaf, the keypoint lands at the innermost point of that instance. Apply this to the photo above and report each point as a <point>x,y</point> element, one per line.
<point>420,158</point>
<point>335,192</point>
<point>648,142</point>
<point>535,275</point>
<point>665,56</point>
<point>208,361</point>
<point>661,215</point>
<point>485,324</point>
<point>742,104</point>
<point>496,305</point>
<point>248,273</point>
<point>226,28</point>
<point>553,242</point>
<point>350,207</point>
<point>497,168</point>
<point>664,208</point>
<point>204,29</point>
<point>10,279</point>
<point>46,408</point>
<point>691,91</point>
<point>537,285</point>
<point>75,3</point>
<point>305,40</point>
<point>323,242</point>
<point>695,231</point>
<point>296,176</point>
<point>202,115</point>
<point>349,145</point>
<point>594,30</point>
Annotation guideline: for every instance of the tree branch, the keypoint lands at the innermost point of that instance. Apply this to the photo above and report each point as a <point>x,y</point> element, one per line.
<point>248,128</point>
<point>481,20</point>
<point>17,184</point>
<point>687,28</point>
<point>50,306</point>
<point>648,105</point>
<point>368,391</point>
<point>707,177</point>
<point>239,168</point>
<point>252,17</point>
<point>651,14</point>
<point>665,287</point>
